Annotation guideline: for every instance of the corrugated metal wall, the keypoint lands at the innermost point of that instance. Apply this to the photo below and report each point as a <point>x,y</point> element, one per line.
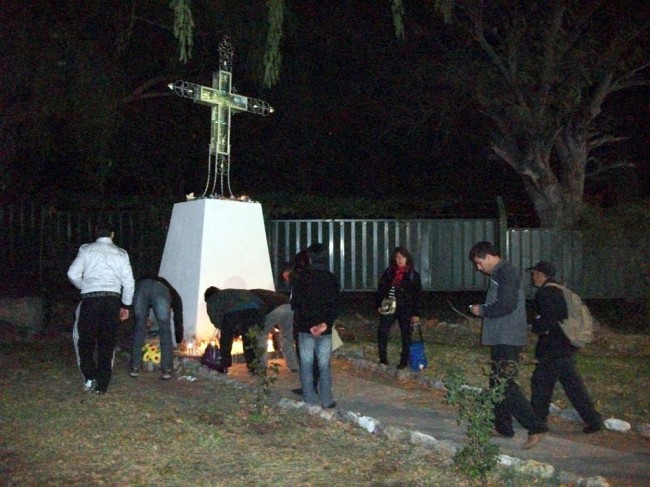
<point>41,242</point>
<point>360,249</point>
<point>525,247</point>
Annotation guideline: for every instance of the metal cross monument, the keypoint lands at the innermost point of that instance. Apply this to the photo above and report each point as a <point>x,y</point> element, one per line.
<point>223,102</point>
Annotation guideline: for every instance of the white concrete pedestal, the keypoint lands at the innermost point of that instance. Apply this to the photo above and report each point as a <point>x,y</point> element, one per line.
<point>218,243</point>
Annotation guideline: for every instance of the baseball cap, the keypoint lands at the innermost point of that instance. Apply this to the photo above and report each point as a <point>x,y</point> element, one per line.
<point>543,266</point>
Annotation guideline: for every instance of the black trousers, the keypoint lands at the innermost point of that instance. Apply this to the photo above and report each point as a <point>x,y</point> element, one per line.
<point>96,329</point>
<point>546,374</point>
<point>383,329</point>
<point>238,323</point>
<point>514,405</point>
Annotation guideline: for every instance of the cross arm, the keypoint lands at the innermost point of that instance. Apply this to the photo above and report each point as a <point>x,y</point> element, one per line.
<point>213,97</point>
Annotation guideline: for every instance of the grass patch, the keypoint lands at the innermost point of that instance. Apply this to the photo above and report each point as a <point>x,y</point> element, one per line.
<point>615,367</point>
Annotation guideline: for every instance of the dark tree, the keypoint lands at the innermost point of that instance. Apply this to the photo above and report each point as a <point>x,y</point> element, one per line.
<point>544,76</point>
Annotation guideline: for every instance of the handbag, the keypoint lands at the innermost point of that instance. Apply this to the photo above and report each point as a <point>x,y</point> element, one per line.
<point>211,357</point>
<point>388,306</point>
<point>417,356</point>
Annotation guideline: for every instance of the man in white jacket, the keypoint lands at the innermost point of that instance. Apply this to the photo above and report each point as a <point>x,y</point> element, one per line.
<point>102,272</point>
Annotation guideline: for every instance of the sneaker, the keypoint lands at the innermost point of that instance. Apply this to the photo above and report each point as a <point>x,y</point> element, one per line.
<point>100,392</point>
<point>167,374</point>
<point>532,440</point>
<point>134,372</point>
<point>331,406</point>
<point>297,391</point>
<point>89,385</point>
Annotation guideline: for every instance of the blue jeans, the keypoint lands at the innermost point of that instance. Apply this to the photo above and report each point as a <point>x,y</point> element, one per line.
<point>320,349</point>
<point>283,317</point>
<point>150,293</point>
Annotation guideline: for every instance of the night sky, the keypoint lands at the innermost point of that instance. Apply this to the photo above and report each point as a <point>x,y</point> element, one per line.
<point>357,112</point>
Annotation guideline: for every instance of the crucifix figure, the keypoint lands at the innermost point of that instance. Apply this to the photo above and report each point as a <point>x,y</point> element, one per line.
<point>223,102</point>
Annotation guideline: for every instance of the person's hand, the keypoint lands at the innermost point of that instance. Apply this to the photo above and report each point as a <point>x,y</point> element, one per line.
<point>318,330</point>
<point>475,309</point>
<point>415,320</point>
<point>124,314</point>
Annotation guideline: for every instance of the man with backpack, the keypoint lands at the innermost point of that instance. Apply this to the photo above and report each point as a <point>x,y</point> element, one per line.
<point>554,352</point>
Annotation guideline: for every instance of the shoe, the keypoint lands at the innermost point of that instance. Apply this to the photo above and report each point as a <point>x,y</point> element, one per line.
<point>331,406</point>
<point>99,392</point>
<point>134,372</point>
<point>402,366</point>
<point>221,369</point>
<point>383,362</point>
<point>297,391</point>
<point>592,428</point>
<point>89,385</point>
<point>167,374</point>
<point>497,434</point>
<point>532,440</point>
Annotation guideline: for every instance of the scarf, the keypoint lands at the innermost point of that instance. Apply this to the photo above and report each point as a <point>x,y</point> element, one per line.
<point>399,276</point>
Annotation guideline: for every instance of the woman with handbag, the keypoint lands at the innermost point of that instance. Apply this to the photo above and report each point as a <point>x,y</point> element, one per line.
<point>398,298</point>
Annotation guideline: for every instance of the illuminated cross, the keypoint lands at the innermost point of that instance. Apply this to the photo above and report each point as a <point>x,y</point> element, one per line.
<point>223,102</point>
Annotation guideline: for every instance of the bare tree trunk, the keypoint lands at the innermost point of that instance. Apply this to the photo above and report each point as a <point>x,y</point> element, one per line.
<point>555,206</point>
<point>555,186</point>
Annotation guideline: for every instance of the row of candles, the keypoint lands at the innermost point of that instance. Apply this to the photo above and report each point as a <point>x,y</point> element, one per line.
<point>195,348</point>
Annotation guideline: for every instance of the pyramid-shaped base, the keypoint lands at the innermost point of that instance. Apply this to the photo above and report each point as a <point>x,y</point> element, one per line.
<point>218,243</point>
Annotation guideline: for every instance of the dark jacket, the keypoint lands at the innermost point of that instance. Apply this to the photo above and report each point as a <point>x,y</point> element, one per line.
<point>551,309</point>
<point>504,311</point>
<point>270,299</point>
<point>226,301</point>
<point>407,294</point>
<point>315,299</point>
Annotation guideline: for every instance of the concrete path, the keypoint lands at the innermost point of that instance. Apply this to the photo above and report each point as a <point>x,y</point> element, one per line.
<point>408,409</point>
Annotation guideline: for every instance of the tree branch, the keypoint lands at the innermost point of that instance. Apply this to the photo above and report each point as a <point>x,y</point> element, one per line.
<point>609,167</point>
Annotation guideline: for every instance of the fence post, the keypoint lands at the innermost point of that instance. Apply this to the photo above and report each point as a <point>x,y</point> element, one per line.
<point>502,237</point>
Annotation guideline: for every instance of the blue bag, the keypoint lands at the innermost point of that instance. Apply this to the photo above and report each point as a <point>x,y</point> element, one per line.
<point>417,357</point>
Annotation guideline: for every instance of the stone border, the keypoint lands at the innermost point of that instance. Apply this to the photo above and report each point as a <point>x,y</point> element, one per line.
<point>568,414</point>
<point>444,447</point>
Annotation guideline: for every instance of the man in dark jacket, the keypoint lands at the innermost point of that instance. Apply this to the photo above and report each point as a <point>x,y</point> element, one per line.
<point>235,312</point>
<point>505,330</point>
<point>554,353</point>
<point>315,302</point>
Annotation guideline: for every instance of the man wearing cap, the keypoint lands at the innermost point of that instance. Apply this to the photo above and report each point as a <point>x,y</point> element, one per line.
<point>554,353</point>
<point>506,332</point>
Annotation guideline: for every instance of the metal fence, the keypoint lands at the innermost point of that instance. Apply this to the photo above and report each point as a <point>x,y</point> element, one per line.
<point>41,242</point>
<point>360,249</point>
